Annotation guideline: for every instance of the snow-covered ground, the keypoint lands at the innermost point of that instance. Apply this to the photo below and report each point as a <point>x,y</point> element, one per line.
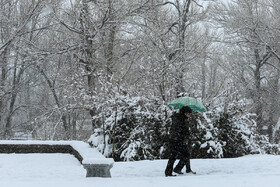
<point>64,170</point>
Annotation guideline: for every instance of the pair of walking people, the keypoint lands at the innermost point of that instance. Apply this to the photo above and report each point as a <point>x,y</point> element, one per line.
<point>179,137</point>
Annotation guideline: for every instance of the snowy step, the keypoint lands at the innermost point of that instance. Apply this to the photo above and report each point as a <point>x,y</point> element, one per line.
<point>93,161</point>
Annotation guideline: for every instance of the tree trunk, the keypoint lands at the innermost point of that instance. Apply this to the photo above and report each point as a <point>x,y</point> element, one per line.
<point>15,90</point>
<point>274,107</point>
<point>2,87</point>
<point>257,96</point>
<point>110,40</point>
<point>203,71</point>
<point>74,125</point>
<point>183,11</point>
<point>212,81</point>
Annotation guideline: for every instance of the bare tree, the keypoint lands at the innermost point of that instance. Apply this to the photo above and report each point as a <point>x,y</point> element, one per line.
<point>18,15</point>
<point>249,27</point>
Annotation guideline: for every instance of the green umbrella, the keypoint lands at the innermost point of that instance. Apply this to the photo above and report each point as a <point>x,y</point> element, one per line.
<point>193,103</point>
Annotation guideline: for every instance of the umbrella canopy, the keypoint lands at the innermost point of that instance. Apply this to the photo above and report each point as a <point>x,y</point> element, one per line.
<point>193,103</point>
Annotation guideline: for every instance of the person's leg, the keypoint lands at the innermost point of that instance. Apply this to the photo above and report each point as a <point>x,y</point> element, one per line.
<point>188,163</point>
<point>171,160</point>
<point>188,166</point>
<point>169,167</point>
<point>184,156</point>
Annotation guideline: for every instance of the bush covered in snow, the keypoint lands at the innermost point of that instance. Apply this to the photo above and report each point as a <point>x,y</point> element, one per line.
<point>136,128</point>
<point>224,131</point>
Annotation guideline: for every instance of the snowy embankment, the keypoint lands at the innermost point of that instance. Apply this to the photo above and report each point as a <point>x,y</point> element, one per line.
<point>63,170</point>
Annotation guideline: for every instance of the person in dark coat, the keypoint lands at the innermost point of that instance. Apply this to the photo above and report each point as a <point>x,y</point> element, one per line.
<point>179,136</point>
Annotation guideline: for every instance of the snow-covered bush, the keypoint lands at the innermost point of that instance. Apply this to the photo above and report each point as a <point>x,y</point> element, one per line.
<point>227,130</point>
<point>264,146</point>
<point>204,140</point>
<point>136,129</point>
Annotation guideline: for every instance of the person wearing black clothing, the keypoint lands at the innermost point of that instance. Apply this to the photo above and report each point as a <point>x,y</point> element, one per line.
<point>179,136</point>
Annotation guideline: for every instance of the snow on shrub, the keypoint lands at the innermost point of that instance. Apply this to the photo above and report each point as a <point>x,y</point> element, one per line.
<point>137,128</point>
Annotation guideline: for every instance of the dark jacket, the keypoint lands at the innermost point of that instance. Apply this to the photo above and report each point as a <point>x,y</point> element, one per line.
<point>179,131</point>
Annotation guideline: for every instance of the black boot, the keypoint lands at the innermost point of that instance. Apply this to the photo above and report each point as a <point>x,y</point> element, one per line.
<point>192,172</point>
<point>188,167</point>
<point>178,172</point>
<point>179,167</point>
<point>170,175</point>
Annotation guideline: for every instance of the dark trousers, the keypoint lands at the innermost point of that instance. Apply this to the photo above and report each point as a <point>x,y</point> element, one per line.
<point>178,150</point>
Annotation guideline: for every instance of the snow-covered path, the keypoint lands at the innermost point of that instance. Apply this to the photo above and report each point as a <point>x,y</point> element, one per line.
<point>63,170</point>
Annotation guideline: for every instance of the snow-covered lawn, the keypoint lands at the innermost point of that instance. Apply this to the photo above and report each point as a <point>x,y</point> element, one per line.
<point>64,170</point>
